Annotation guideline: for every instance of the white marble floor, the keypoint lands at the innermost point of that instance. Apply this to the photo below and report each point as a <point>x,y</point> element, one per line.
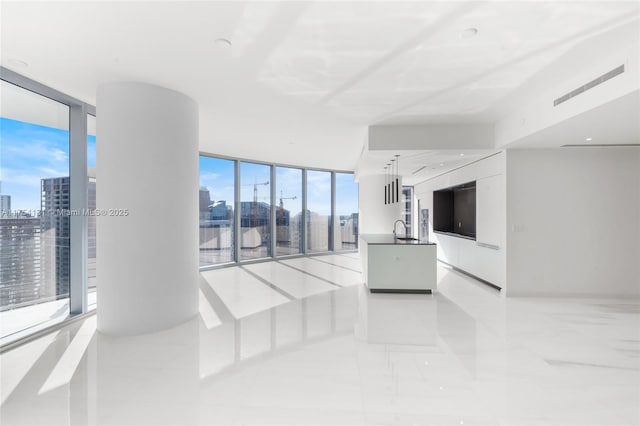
<point>20,322</point>
<point>328,352</point>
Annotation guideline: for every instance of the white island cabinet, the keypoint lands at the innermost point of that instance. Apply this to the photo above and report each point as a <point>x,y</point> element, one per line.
<point>398,266</point>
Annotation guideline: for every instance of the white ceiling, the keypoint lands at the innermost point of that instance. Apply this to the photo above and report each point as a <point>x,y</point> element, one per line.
<point>346,64</point>
<point>416,166</point>
<point>604,125</point>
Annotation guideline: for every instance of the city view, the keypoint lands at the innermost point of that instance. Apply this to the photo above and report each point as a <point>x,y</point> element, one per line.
<point>34,220</point>
<point>35,193</point>
<point>217,201</point>
<point>35,223</point>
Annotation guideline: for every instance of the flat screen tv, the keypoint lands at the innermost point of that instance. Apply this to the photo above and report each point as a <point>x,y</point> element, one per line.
<point>454,210</point>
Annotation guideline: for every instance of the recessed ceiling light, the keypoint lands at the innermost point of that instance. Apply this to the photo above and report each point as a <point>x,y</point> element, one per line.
<point>18,63</point>
<point>469,32</point>
<point>588,139</point>
<point>462,155</point>
<point>223,43</point>
<point>441,164</point>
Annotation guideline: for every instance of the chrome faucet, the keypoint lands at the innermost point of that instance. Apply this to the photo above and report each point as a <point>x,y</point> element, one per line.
<point>394,227</point>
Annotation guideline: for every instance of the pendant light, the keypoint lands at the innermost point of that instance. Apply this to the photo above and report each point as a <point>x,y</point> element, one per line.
<point>388,184</point>
<point>397,178</point>
<point>393,187</point>
<point>386,197</point>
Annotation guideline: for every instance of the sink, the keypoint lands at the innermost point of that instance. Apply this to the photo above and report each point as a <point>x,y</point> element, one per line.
<point>406,238</point>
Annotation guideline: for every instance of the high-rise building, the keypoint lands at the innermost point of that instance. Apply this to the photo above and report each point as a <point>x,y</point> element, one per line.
<point>5,205</point>
<point>35,251</point>
<point>348,234</point>
<point>254,213</point>
<point>220,211</point>
<point>91,229</point>
<point>55,233</point>
<point>20,262</point>
<point>205,202</point>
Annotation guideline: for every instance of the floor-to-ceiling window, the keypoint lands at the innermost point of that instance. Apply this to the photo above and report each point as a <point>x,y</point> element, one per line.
<point>255,210</point>
<point>346,235</point>
<point>91,205</point>
<point>288,211</point>
<point>217,200</point>
<point>318,210</point>
<point>34,221</point>
<point>251,210</point>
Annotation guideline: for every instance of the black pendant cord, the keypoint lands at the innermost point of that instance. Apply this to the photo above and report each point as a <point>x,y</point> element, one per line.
<point>386,198</point>
<point>397,192</point>
<point>394,194</point>
<point>386,184</point>
<point>397,178</point>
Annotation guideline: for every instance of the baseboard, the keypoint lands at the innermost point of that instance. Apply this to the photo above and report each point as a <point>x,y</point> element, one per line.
<point>475,277</point>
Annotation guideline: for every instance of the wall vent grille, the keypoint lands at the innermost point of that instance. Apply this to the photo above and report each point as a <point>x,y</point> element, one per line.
<point>590,85</point>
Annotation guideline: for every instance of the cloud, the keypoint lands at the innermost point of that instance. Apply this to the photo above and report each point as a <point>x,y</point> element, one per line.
<point>19,177</point>
<point>346,194</point>
<point>289,181</point>
<point>208,178</point>
<point>318,184</point>
<point>29,153</point>
<point>220,187</point>
<point>222,193</point>
<point>48,172</point>
<point>319,192</point>
<point>34,151</point>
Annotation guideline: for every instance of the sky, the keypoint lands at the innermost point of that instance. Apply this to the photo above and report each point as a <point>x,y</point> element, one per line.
<point>91,151</point>
<point>30,152</point>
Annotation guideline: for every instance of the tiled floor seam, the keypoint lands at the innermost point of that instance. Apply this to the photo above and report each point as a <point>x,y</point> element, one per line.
<point>310,274</point>
<point>268,283</point>
<point>336,265</point>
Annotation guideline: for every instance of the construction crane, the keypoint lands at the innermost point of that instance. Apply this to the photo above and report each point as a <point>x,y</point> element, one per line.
<point>285,198</point>
<point>255,201</point>
<point>281,209</point>
<point>255,191</point>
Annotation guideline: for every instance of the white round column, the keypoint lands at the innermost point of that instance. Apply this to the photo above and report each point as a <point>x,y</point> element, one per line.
<point>147,198</point>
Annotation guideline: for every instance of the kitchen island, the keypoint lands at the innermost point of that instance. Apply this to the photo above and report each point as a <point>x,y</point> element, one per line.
<point>396,265</point>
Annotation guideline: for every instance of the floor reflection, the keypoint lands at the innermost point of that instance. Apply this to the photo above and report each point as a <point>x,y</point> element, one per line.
<point>278,329</point>
<point>401,319</point>
<point>344,356</point>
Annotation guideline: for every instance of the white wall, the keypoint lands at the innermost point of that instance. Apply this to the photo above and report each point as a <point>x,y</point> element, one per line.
<point>375,216</point>
<point>479,260</point>
<point>573,221</point>
<point>434,136</point>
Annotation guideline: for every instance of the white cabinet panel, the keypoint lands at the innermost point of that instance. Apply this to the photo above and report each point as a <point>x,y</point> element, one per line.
<point>466,255</point>
<point>392,265</point>
<point>489,265</point>
<point>490,210</point>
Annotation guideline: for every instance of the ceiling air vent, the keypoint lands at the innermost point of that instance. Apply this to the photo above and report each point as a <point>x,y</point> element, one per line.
<point>590,85</point>
<point>598,145</point>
